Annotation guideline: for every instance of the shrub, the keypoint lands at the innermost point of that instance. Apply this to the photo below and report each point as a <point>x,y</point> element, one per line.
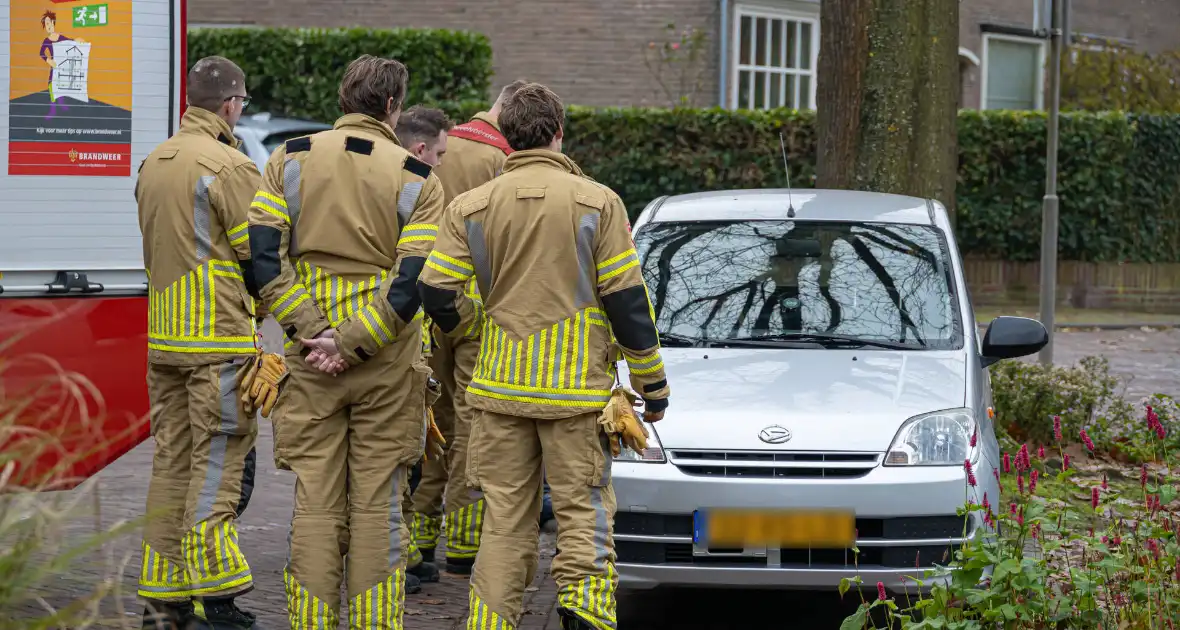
<point>296,72</point>
<point>1109,560</point>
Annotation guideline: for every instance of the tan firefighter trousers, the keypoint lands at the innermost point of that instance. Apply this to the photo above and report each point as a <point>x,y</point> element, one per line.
<point>453,362</point>
<point>351,440</point>
<point>506,456</point>
<point>202,438</point>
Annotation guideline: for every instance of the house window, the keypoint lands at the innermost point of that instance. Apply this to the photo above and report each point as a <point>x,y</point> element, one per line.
<point>1013,72</point>
<point>775,54</point>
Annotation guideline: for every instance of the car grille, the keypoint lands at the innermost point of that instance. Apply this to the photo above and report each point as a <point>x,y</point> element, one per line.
<point>678,527</point>
<point>773,465</point>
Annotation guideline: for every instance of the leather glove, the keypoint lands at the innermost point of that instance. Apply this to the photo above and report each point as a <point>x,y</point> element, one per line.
<point>261,386</point>
<point>621,424</point>
<point>435,442</point>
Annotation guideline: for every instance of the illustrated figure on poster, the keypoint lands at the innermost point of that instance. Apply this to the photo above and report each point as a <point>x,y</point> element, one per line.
<point>74,60</point>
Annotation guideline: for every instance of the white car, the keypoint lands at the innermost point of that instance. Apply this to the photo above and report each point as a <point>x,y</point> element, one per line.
<point>829,388</point>
<point>261,134</point>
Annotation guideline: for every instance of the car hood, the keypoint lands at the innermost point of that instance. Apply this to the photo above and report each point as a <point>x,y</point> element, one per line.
<point>830,400</point>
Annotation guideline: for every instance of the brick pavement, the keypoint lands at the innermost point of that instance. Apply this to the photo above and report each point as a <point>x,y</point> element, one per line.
<point>1151,358</point>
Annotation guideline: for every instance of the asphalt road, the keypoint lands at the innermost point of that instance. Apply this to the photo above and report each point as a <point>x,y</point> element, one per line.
<point>1152,358</point>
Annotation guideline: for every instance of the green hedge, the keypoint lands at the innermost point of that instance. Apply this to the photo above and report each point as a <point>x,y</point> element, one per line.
<point>1119,177</point>
<point>296,72</point>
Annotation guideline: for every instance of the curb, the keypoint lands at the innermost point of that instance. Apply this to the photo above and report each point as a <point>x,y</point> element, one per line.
<point>1128,326</point>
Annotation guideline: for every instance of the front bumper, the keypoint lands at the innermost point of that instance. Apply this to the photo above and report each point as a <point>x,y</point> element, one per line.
<point>905,517</point>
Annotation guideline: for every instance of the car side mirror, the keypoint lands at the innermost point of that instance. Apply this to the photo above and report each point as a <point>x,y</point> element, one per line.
<point>1012,337</point>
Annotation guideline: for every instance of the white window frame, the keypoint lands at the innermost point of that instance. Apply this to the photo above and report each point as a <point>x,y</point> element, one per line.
<point>1039,95</point>
<point>736,67</point>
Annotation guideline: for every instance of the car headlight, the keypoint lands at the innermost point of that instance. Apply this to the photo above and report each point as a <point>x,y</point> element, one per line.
<point>942,438</point>
<point>653,454</point>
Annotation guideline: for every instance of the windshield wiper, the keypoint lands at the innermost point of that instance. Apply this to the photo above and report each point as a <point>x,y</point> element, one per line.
<point>827,341</point>
<point>680,341</point>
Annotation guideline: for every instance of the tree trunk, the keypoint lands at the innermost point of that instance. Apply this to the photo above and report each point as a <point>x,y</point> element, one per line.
<point>888,97</point>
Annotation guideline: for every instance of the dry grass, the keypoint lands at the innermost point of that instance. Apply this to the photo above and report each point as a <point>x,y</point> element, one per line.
<point>51,417</point>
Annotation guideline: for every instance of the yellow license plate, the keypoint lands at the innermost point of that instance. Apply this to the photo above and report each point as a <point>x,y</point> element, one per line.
<point>814,529</point>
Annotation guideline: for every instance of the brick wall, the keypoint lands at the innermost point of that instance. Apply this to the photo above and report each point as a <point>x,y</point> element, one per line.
<point>589,52</point>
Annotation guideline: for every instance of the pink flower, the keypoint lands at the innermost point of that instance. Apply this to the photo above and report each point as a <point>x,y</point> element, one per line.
<point>1065,462</point>
<point>1143,476</point>
<point>1116,541</point>
<point>1152,418</point>
<point>996,473</point>
<point>970,473</point>
<point>1104,486</point>
<point>1032,482</point>
<point>1041,453</point>
<point>1022,459</point>
<point>1105,539</point>
<point>1020,482</point>
<point>1012,509</point>
<point>974,437</point>
<point>1178,569</point>
<point>881,591</point>
<point>1087,441</point>
<point>1007,464</point>
<point>1057,428</point>
<point>1020,518</point>
<point>1094,498</point>
<point>676,46</point>
<point>1159,431</point>
<point>986,506</point>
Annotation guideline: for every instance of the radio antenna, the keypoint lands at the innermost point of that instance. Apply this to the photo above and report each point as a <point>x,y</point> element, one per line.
<point>787,168</point>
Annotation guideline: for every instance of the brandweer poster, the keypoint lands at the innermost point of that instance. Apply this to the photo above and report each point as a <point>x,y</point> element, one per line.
<point>70,90</point>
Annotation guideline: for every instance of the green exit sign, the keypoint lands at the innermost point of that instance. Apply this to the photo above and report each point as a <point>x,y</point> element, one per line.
<point>90,15</point>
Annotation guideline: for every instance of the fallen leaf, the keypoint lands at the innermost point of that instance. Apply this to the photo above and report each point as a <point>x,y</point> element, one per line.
<point>411,611</point>
<point>432,602</point>
<point>531,589</point>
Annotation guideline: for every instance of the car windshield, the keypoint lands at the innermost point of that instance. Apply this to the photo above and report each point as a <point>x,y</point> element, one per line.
<point>868,284</point>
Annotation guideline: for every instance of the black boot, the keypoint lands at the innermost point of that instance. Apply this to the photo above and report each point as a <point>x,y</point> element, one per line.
<point>427,554</point>
<point>159,615</point>
<point>221,614</point>
<point>424,571</point>
<point>570,621</point>
<point>460,566</point>
<point>413,584</point>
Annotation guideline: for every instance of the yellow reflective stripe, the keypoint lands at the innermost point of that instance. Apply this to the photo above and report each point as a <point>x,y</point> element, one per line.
<point>450,272</point>
<point>418,232</point>
<point>269,197</point>
<point>239,233</point>
<point>481,617</point>
<point>593,599</point>
<point>463,529</point>
<point>267,203</point>
<point>302,606</point>
<point>186,310</point>
<point>215,563</point>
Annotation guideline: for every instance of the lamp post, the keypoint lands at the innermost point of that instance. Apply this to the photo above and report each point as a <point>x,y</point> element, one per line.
<point>1049,216</point>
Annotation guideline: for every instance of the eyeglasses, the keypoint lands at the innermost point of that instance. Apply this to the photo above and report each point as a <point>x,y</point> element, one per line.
<point>245,99</point>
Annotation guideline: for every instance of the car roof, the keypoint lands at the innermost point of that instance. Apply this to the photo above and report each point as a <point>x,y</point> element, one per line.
<point>809,203</point>
<point>269,125</point>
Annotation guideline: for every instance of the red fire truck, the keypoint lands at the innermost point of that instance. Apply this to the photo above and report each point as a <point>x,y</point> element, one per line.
<point>93,86</point>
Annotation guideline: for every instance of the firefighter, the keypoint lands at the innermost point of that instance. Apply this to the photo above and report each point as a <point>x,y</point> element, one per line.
<point>552,255</point>
<point>339,231</point>
<point>476,152</point>
<point>193,192</point>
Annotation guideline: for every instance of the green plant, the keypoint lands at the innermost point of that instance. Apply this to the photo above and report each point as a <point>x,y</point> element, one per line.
<point>1109,561</point>
<point>677,64</point>
<point>1028,395</point>
<point>296,72</point>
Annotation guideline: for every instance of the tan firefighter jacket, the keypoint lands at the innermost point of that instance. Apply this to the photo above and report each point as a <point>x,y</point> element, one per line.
<point>339,230</point>
<point>472,160</point>
<point>554,261</point>
<point>193,193</point>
